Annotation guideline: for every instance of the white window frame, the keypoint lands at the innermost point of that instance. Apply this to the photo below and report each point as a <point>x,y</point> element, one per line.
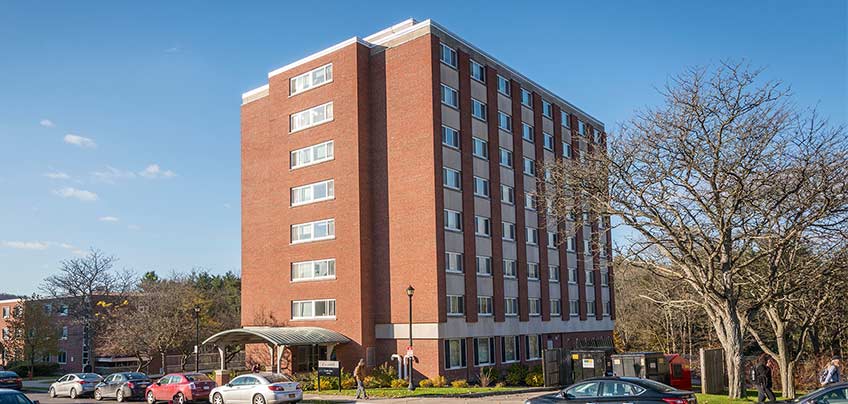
<point>512,266</point>
<point>330,190</point>
<point>447,133</point>
<point>486,224</point>
<point>607,308</point>
<point>553,273</point>
<point>62,357</point>
<point>556,307</point>
<point>553,240</point>
<point>64,335</point>
<point>311,114</point>
<point>448,175</point>
<point>504,121</point>
<point>477,67</point>
<point>486,263</point>
<point>483,145</point>
<point>489,343</point>
<point>508,192</point>
<point>315,269</point>
<point>478,110</point>
<point>516,348</point>
<point>534,307</point>
<point>533,272</point>
<point>571,244</point>
<point>331,223</point>
<point>573,308</point>
<point>532,235</point>
<point>534,355</point>
<point>312,150</point>
<point>572,275</point>
<point>457,257</point>
<point>311,75</point>
<point>565,117</point>
<point>547,109</point>
<point>581,128</point>
<point>528,133</point>
<point>526,98</point>
<point>548,141</point>
<point>460,343</point>
<point>590,278</point>
<point>459,302</point>
<point>446,89</point>
<point>506,89</point>
<point>590,307</point>
<point>511,306</point>
<point>484,302</point>
<point>566,149</point>
<point>530,201</point>
<point>508,235</point>
<point>482,188</point>
<point>529,167</point>
<point>604,278</point>
<point>330,302</point>
<point>449,58</point>
<point>508,154</point>
<point>458,215</point>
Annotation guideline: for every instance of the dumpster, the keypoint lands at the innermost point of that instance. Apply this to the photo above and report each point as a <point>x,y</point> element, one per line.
<point>585,364</point>
<point>680,375</point>
<point>647,365</point>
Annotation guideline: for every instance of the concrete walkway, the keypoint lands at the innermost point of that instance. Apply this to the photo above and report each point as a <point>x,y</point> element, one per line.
<point>503,399</point>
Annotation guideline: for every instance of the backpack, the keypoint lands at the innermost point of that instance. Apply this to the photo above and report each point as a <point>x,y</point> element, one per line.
<point>823,375</point>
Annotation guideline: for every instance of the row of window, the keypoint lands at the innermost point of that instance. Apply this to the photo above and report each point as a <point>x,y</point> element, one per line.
<point>62,310</point>
<point>480,147</point>
<point>484,350</point>
<point>321,309</point>
<point>454,264</point>
<point>7,334</point>
<point>456,306</point>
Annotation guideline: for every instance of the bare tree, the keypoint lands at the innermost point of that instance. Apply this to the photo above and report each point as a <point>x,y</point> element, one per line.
<point>32,331</point>
<point>723,176</point>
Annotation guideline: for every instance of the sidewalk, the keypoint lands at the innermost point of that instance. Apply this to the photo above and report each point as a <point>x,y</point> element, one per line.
<point>38,384</point>
<point>502,399</point>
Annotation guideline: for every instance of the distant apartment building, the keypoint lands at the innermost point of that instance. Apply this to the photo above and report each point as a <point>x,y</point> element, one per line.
<point>408,158</point>
<point>71,355</point>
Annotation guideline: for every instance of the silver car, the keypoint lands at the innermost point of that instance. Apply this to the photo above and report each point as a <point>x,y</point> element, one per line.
<point>75,385</point>
<point>258,388</point>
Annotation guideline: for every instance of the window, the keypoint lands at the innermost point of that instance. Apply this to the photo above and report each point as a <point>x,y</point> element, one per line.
<point>596,136</point>
<point>503,86</point>
<point>313,231</point>
<point>482,226</point>
<point>620,389</point>
<point>504,121</point>
<point>535,307</point>
<point>529,201</point>
<point>450,137</point>
<point>590,307</point>
<point>63,310</point>
<point>607,307</point>
<point>449,96</point>
<point>481,187</point>
<point>566,119</point>
<point>529,167</point>
<point>62,357</point>
<point>534,345</point>
<point>507,194</point>
<point>548,141</point>
<point>573,308</point>
<point>478,72</point>
<point>533,271</point>
<point>547,109</point>
<point>6,333</point>
<point>311,117</point>
<point>590,277</point>
<point>581,128</point>
<point>587,247</point>
<point>526,98</point>
<point>484,351</point>
<point>511,306</point>
<point>451,178</point>
<point>6,312</point>
<point>453,220</point>
<point>553,273</point>
<point>604,278</point>
<point>484,265</point>
<point>308,156</point>
<point>454,353</point>
<point>45,357</point>
<point>311,193</point>
<point>508,231</point>
<point>456,305</point>
<point>556,307</point>
<point>453,262</point>
<point>572,275</point>
<point>509,268</point>
<point>506,157</point>
<point>484,305</point>
<point>313,309</point>
<point>589,389</point>
<point>313,270</point>
<point>480,148</point>
<point>478,109</point>
<point>572,243</point>
<point>48,308</point>
<point>509,349</point>
<point>532,237</point>
<point>311,79</point>
<point>553,240</point>
<point>527,132</point>
<point>447,55</point>
<point>566,149</point>
<point>64,332</point>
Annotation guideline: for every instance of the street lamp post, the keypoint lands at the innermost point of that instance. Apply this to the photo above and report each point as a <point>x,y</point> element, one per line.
<point>196,338</point>
<point>409,292</point>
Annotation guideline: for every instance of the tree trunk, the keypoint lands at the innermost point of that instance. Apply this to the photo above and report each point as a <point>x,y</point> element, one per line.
<point>728,329</point>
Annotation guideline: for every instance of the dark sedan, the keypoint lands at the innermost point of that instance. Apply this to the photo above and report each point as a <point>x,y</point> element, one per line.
<point>836,393</point>
<point>14,397</point>
<point>10,380</point>
<point>122,386</point>
<point>618,390</point>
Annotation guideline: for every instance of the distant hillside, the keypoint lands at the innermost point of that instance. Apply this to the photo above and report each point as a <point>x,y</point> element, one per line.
<point>4,296</point>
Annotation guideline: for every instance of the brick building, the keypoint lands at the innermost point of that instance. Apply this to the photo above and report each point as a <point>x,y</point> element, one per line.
<point>404,158</point>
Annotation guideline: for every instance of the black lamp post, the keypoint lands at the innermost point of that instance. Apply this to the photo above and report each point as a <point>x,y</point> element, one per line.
<point>196,338</point>
<point>409,292</point>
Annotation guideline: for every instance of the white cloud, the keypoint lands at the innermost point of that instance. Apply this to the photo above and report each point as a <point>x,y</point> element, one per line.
<point>81,141</point>
<point>66,246</point>
<point>112,174</point>
<point>47,123</point>
<point>83,195</point>
<point>108,219</point>
<point>26,245</point>
<point>134,227</point>
<point>78,252</point>
<point>57,175</point>
<point>154,171</point>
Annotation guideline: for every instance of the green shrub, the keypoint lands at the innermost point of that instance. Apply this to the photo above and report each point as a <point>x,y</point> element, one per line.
<point>370,382</point>
<point>383,375</point>
<point>38,369</point>
<point>516,375</point>
<point>535,379</point>
<point>348,382</point>
<point>440,381</point>
<point>459,384</point>
<point>425,383</point>
<point>486,376</point>
<point>399,383</point>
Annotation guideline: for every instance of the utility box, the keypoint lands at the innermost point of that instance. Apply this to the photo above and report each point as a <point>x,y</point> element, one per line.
<point>647,365</point>
<point>586,364</point>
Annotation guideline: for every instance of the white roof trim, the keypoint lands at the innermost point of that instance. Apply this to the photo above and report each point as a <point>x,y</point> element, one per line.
<point>399,26</point>
<point>255,91</point>
<point>10,301</point>
<point>316,55</point>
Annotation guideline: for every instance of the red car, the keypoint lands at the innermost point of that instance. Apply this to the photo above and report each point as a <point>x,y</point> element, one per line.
<point>181,388</point>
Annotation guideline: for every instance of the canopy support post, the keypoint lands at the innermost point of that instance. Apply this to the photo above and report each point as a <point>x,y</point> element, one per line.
<point>280,350</point>
<point>222,352</point>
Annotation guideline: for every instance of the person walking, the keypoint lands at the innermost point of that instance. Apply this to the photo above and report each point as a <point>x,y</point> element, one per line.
<point>359,376</point>
<point>762,379</point>
<point>256,367</point>
<point>831,373</point>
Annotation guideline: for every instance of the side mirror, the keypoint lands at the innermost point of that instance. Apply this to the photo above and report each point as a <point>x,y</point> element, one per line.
<point>229,385</point>
<point>158,383</point>
<point>568,396</point>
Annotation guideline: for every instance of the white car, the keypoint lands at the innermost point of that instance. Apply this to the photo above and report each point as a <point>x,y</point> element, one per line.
<point>75,385</point>
<point>258,388</point>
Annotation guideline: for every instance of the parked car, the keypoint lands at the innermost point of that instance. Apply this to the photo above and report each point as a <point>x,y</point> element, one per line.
<point>74,385</point>
<point>122,386</point>
<point>8,396</point>
<point>836,393</point>
<point>180,387</point>
<point>258,388</point>
<point>10,380</point>
<point>618,390</point>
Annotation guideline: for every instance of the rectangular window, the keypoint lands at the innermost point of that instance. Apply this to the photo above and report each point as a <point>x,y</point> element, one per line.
<point>449,96</point>
<point>482,226</point>
<point>48,308</point>
<point>311,79</point>
<point>572,275</point>
<point>456,305</point>
<point>529,167</point>
<point>596,136</point>
<point>453,220</point>
<point>508,231</point>
<point>478,109</point>
<point>527,132</point>
<point>484,305</point>
<point>607,308</point>
<point>509,268</point>
<point>590,277</point>
<point>503,86</point>
<point>590,307</point>
<point>62,357</point>
<point>573,308</point>
<point>526,98</point>
<point>447,55</point>
<point>478,72</point>
<point>553,273</point>
<point>481,187</point>
<point>64,333</point>
<point>313,270</point>
<point>532,235</point>
<point>313,231</point>
<point>547,109</point>
<point>581,128</point>
<point>535,307</point>
<point>506,157</point>
<point>311,117</point>
<point>507,194</point>
<point>6,312</point>
<point>455,354</point>
<point>484,265</point>
<point>548,141</point>
<point>450,137</point>
<point>533,271</point>
<point>480,148</point>
<point>453,262</point>
<point>553,239</point>
<point>556,307</point>
<point>45,357</point>
<point>566,119</point>
<point>63,310</point>
<point>484,351</point>
<point>504,121</point>
<point>313,309</point>
<point>587,246</point>
<point>604,278</point>
<point>451,178</point>
<point>310,155</point>
<point>311,193</point>
<point>511,306</point>
<point>572,244</point>
<point>509,349</point>
<point>529,201</point>
<point>534,347</point>
<point>566,149</point>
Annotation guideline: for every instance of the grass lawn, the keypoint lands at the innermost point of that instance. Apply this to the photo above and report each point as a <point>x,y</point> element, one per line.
<point>421,391</point>
<point>751,396</point>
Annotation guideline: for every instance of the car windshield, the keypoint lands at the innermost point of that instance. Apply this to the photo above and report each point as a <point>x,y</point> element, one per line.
<point>137,376</point>
<point>657,385</point>
<point>8,374</point>
<point>197,377</point>
<point>14,398</point>
<point>89,376</point>
<point>810,394</point>
<point>277,378</point>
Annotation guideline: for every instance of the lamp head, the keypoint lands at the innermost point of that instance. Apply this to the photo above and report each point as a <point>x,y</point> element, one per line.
<point>410,291</point>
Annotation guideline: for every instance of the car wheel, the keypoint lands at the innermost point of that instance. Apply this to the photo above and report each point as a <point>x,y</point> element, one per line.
<point>151,399</point>
<point>73,394</point>
<point>258,399</point>
<point>98,395</point>
<point>119,395</point>
<point>52,393</point>
<point>179,398</point>
<point>217,399</point>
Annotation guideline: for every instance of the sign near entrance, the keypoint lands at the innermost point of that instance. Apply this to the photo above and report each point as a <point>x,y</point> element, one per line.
<point>329,368</point>
<point>409,352</point>
<point>588,363</point>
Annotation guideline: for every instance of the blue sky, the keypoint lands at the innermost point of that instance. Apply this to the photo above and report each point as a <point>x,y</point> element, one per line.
<point>119,121</point>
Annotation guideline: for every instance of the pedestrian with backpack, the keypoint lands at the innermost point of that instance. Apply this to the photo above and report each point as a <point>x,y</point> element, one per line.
<point>762,380</point>
<point>830,374</point>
